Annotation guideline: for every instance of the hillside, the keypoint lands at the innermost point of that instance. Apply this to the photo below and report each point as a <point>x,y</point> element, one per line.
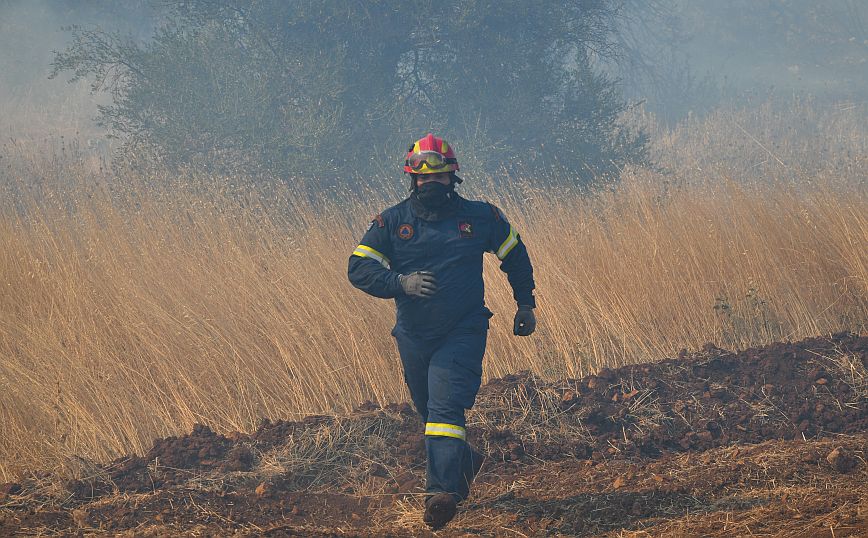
<point>769,441</point>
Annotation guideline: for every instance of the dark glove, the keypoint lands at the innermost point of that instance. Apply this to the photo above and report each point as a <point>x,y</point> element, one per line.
<point>419,284</point>
<point>525,321</point>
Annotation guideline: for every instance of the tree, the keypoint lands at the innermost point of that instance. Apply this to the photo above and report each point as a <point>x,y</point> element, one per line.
<point>327,88</point>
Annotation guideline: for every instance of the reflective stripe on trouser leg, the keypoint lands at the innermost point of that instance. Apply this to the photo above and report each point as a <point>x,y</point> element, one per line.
<point>445,430</point>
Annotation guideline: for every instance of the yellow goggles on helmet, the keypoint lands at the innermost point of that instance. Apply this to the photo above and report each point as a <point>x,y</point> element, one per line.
<point>432,159</point>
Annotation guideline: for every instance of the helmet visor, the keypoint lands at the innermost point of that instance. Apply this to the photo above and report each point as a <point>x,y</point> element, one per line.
<point>432,159</point>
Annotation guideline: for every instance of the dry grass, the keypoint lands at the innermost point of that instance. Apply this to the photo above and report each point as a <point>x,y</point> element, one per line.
<point>133,308</point>
<point>334,455</point>
<point>531,412</point>
<point>760,497</point>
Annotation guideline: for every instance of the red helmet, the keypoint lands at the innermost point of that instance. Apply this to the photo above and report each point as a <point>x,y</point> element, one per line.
<point>430,155</point>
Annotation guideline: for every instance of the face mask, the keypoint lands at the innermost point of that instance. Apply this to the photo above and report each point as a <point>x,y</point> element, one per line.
<point>433,194</point>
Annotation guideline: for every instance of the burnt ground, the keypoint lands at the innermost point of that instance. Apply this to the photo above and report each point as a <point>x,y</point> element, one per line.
<point>771,441</point>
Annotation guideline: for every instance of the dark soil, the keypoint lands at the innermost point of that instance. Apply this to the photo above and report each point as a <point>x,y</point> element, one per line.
<point>769,441</point>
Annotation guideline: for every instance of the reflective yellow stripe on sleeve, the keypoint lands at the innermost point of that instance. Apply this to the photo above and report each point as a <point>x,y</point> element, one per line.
<point>364,251</point>
<point>445,430</point>
<point>508,244</point>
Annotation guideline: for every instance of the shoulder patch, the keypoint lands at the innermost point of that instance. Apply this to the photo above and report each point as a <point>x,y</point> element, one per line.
<point>465,228</point>
<point>405,232</point>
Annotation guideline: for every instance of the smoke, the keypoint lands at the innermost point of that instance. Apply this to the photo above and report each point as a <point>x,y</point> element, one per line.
<point>32,107</point>
<point>678,56</point>
<point>682,56</point>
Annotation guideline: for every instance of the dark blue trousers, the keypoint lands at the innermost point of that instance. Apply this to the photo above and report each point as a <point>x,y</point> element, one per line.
<point>443,375</point>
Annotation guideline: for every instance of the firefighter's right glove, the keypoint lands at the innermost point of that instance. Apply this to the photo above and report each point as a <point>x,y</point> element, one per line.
<point>420,284</point>
<point>525,321</point>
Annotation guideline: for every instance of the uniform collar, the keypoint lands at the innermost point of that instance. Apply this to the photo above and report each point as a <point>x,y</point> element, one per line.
<point>424,213</point>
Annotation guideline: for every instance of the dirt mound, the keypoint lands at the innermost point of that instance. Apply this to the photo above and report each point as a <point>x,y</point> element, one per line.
<point>694,402</point>
<point>674,446</point>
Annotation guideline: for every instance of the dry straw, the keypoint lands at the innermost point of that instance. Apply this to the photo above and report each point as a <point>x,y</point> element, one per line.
<point>134,307</point>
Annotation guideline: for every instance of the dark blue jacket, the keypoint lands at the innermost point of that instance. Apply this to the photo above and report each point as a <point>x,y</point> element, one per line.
<point>400,241</point>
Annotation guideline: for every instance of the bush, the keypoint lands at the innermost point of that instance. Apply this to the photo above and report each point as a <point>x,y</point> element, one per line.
<point>326,89</point>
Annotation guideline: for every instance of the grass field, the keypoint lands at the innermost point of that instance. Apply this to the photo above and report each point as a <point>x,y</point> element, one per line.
<point>134,307</point>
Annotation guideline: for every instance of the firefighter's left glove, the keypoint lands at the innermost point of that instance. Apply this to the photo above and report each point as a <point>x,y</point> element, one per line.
<point>525,321</point>
<point>420,284</point>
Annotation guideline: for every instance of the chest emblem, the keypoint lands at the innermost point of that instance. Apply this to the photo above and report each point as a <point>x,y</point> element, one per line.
<point>465,228</point>
<point>405,231</point>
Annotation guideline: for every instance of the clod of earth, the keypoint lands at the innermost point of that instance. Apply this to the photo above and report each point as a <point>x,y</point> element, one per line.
<point>841,460</point>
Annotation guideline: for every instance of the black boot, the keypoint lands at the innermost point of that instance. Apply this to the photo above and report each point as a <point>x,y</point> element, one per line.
<point>439,510</point>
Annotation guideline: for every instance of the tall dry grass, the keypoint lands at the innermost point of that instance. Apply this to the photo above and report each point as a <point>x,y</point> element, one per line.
<point>134,307</point>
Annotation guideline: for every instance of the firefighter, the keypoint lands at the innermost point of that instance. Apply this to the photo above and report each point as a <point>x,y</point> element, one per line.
<point>426,253</point>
